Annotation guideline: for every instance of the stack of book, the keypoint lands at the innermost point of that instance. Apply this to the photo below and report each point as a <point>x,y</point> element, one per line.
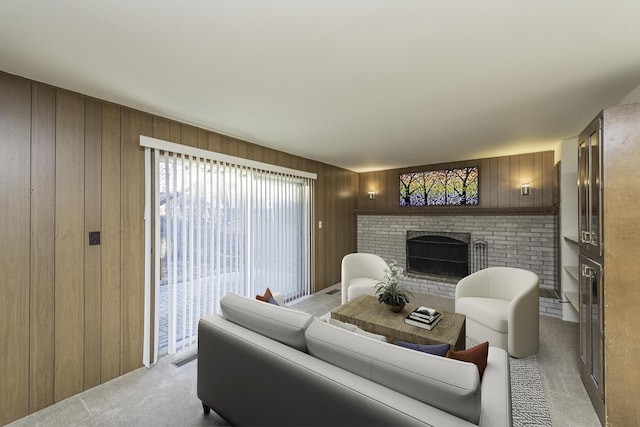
<point>423,317</point>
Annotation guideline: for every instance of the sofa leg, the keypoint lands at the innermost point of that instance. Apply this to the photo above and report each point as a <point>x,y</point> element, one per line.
<point>206,408</point>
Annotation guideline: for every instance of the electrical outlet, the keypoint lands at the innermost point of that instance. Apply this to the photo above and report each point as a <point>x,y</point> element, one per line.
<point>319,224</point>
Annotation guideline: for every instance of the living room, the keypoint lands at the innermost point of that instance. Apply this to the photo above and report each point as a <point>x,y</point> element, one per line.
<point>72,314</point>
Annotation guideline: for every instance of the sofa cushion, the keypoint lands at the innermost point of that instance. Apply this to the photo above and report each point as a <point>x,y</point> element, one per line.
<point>446,384</point>
<point>435,349</point>
<point>276,322</point>
<point>267,297</point>
<point>476,355</point>
<point>490,312</point>
<point>353,328</point>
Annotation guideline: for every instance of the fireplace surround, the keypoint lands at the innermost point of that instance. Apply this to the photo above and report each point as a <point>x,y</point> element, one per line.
<point>524,241</point>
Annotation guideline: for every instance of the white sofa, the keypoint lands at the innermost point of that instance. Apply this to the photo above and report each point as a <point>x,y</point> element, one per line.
<point>502,307</point>
<point>261,364</point>
<point>360,273</point>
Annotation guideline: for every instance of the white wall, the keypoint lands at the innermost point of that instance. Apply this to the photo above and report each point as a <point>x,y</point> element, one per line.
<point>632,97</point>
<point>569,229</point>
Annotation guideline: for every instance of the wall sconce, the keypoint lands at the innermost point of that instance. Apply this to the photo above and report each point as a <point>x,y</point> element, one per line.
<point>372,195</point>
<point>525,189</point>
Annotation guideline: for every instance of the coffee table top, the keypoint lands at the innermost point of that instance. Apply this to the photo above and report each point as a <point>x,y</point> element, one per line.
<point>366,313</point>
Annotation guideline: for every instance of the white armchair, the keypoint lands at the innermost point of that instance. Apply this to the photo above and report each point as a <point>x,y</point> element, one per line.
<point>360,273</point>
<point>502,307</point>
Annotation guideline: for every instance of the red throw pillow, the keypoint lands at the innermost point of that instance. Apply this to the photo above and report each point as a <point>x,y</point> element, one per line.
<point>266,296</point>
<point>477,355</point>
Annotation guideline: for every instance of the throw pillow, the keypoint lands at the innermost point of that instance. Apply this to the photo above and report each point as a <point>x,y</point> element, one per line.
<point>353,328</point>
<point>272,300</point>
<point>267,297</point>
<point>477,355</point>
<point>436,349</point>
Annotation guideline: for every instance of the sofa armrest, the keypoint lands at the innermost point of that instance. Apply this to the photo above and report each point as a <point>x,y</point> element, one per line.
<point>496,390</point>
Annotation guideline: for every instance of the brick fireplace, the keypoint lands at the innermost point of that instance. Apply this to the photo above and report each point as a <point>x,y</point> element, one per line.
<point>523,241</point>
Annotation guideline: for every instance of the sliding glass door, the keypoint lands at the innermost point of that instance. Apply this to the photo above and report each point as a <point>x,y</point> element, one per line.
<point>223,226</point>
<point>280,234</point>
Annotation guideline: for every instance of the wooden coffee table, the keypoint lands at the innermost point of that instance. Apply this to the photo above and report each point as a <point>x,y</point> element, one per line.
<point>366,313</point>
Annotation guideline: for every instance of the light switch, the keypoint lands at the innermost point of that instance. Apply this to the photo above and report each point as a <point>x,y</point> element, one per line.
<point>94,238</point>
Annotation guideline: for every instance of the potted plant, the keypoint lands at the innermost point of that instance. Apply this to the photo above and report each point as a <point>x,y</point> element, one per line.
<point>390,291</point>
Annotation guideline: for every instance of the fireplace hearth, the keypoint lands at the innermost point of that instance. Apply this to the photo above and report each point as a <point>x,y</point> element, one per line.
<point>441,254</point>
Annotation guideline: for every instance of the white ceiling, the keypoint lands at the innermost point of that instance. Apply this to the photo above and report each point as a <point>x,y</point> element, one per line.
<point>364,85</point>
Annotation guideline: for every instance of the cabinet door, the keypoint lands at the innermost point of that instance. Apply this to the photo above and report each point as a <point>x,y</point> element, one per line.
<point>590,189</point>
<point>583,192</point>
<point>596,327</point>
<point>595,181</point>
<point>592,330</point>
<point>585,311</point>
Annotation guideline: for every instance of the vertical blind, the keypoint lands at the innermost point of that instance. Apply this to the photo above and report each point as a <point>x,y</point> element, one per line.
<point>222,224</point>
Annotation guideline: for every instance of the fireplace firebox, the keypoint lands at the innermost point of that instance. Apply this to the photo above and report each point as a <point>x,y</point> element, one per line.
<point>442,254</point>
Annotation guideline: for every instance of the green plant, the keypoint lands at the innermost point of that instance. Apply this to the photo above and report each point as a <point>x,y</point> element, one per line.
<point>389,290</point>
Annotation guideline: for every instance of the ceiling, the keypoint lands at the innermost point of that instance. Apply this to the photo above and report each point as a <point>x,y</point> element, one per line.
<point>365,85</point>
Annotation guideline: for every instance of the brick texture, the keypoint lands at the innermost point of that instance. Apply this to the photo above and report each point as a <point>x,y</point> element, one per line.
<point>522,241</point>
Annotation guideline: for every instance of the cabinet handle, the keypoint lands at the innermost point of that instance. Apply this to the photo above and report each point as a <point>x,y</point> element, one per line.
<point>586,237</point>
<point>586,270</point>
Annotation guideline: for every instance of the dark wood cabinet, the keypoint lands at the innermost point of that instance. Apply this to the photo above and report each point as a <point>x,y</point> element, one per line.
<point>608,216</point>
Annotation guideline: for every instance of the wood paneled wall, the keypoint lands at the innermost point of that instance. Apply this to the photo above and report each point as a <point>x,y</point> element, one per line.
<point>71,315</point>
<point>15,238</point>
<point>499,179</point>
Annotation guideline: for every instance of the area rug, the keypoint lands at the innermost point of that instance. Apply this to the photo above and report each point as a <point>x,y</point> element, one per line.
<point>529,407</point>
<point>528,401</point>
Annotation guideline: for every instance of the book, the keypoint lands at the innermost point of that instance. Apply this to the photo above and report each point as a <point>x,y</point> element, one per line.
<point>423,319</point>
<point>425,310</point>
<point>429,326</point>
<point>425,313</point>
<point>426,324</point>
